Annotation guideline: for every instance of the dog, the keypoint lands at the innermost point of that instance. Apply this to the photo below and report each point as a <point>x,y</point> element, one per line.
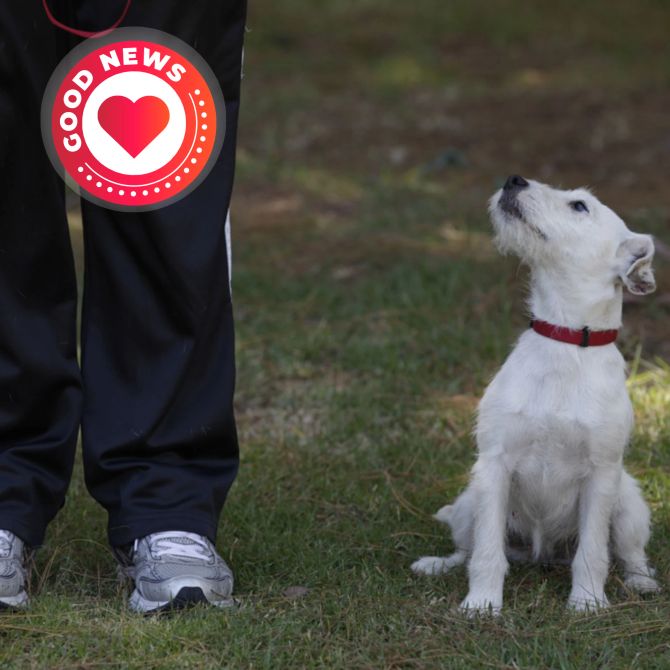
<point>553,424</point>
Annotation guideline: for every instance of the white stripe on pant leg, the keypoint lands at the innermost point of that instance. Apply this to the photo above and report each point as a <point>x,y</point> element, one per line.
<point>229,252</point>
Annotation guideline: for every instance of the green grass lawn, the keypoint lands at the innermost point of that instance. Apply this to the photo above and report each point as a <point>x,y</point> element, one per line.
<point>371,311</point>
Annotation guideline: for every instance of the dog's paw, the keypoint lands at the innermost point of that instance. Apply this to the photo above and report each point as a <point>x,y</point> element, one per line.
<point>582,601</point>
<point>480,605</point>
<point>431,565</point>
<point>642,584</point>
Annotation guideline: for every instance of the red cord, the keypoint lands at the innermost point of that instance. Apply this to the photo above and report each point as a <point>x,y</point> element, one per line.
<point>85,33</point>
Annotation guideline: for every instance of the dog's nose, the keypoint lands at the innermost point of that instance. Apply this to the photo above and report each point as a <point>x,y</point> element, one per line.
<point>514,183</point>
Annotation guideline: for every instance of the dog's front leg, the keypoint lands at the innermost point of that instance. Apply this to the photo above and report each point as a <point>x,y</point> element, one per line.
<point>488,564</point>
<point>590,565</point>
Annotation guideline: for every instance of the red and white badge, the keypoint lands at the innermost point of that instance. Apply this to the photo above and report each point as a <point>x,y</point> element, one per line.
<point>135,119</point>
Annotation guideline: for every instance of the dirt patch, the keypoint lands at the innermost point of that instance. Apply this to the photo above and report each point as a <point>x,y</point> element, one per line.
<point>619,145</point>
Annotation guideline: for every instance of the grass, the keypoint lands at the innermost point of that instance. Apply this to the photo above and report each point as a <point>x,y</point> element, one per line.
<point>371,311</point>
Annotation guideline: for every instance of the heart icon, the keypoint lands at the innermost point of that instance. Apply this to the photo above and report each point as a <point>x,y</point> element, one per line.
<point>133,125</point>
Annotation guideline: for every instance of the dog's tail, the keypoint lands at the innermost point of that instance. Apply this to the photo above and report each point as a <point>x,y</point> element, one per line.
<point>443,515</point>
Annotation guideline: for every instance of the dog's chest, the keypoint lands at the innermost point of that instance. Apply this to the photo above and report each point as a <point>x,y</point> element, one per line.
<point>554,407</point>
<point>548,470</point>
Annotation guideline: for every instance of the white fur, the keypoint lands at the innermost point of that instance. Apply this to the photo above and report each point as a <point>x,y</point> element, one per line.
<point>554,422</point>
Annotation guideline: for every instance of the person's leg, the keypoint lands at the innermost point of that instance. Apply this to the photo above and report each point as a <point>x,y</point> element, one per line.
<point>160,447</point>
<point>40,389</point>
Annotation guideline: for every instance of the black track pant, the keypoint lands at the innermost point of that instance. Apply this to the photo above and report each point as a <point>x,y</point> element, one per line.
<point>155,392</point>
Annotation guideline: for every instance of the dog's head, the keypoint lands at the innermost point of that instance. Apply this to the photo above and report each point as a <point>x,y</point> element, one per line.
<point>573,232</point>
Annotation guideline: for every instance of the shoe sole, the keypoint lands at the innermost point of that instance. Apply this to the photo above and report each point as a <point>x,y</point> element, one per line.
<point>187,596</point>
<point>17,602</point>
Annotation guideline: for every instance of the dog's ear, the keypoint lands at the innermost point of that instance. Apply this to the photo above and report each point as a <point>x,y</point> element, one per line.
<point>634,257</point>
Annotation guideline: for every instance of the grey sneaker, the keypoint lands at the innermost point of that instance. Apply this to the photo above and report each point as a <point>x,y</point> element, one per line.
<point>12,571</point>
<point>176,569</point>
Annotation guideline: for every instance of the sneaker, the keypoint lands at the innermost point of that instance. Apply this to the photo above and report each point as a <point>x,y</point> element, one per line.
<point>176,569</point>
<point>12,571</point>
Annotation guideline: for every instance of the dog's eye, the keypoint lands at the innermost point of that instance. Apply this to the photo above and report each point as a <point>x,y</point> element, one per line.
<point>579,206</point>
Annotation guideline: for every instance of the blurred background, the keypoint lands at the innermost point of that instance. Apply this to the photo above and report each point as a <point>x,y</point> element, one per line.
<point>374,131</point>
<point>371,312</point>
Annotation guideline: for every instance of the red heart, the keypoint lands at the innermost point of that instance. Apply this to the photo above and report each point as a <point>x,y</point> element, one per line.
<point>133,124</point>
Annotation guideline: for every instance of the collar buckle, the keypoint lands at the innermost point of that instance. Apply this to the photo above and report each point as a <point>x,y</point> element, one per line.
<point>585,337</point>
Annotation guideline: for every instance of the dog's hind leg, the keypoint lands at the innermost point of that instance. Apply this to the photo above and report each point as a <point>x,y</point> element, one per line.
<point>630,533</point>
<point>459,517</point>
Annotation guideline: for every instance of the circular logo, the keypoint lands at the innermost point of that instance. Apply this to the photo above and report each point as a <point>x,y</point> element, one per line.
<point>135,119</point>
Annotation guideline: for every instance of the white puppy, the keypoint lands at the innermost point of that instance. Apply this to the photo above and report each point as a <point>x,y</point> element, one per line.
<point>554,422</point>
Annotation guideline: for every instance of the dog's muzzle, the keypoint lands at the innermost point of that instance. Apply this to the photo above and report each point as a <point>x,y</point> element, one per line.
<point>508,200</point>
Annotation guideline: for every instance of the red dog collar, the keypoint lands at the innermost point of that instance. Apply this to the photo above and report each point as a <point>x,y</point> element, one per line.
<point>583,337</point>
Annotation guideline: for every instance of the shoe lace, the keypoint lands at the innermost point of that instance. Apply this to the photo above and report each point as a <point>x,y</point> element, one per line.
<point>179,544</point>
